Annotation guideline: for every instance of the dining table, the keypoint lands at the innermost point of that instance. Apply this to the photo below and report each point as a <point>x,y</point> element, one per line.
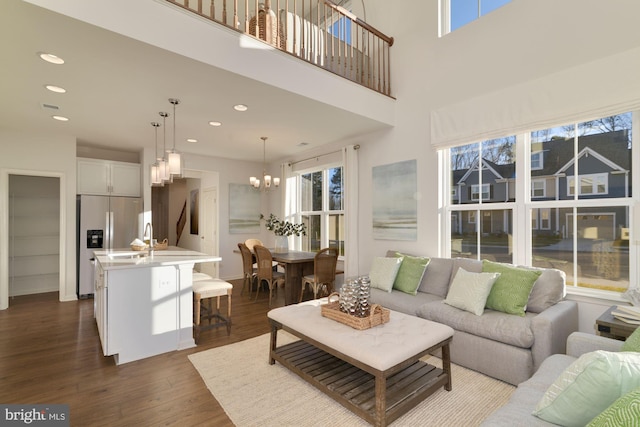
<point>297,264</point>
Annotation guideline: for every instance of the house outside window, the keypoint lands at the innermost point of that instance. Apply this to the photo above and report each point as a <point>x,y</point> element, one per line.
<point>457,13</point>
<point>322,208</point>
<point>483,209</point>
<point>583,230</point>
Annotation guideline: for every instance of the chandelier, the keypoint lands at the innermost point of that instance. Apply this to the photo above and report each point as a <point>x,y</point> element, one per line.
<point>265,183</point>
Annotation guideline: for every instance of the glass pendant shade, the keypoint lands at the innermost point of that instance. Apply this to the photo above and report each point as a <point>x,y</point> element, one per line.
<point>163,170</point>
<point>175,163</point>
<point>174,159</point>
<point>156,181</point>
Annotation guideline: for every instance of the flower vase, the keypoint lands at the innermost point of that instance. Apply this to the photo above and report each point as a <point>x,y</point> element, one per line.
<point>282,244</point>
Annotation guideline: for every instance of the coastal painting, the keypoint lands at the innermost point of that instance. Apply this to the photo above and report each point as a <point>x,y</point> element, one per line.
<point>395,205</point>
<point>244,209</point>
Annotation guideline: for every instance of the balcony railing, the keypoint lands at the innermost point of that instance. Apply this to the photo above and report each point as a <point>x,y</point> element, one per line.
<point>317,31</point>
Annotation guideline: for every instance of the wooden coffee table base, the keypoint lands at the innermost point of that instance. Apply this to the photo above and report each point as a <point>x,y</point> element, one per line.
<point>379,397</point>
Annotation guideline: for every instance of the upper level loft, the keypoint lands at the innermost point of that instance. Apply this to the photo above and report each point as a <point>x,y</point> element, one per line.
<point>316,31</point>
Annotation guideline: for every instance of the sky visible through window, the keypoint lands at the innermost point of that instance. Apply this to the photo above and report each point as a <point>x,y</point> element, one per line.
<point>465,11</point>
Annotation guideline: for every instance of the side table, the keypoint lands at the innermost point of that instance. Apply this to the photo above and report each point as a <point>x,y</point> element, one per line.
<point>610,327</point>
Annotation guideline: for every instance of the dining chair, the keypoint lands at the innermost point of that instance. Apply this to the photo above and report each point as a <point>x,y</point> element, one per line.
<point>252,242</point>
<point>324,272</point>
<point>265,271</point>
<point>248,270</point>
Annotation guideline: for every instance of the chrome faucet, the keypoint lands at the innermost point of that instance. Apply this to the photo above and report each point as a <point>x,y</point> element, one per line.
<point>149,227</point>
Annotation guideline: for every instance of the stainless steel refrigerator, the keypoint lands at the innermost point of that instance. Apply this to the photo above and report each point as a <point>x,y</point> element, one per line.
<point>104,222</point>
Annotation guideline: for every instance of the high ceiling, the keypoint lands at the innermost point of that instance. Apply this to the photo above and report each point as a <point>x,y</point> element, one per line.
<point>116,86</point>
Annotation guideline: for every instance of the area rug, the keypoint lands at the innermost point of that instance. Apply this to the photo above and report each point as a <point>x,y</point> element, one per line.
<point>254,393</point>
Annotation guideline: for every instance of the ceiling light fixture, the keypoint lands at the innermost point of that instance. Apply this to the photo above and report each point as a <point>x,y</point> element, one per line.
<point>265,185</point>
<point>156,180</point>
<point>61,118</point>
<point>56,89</point>
<point>215,124</point>
<point>240,107</point>
<point>163,165</point>
<point>192,140</point>
<point>174,159</point>
<point>53,59</point>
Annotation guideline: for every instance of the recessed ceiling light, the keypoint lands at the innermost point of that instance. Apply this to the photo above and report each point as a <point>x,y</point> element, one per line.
<point>61,118</point>
<point>56,89</point>
<point>192,140</point>
<point>214,123</point>
<point>49,57</point>
<point>240,107</point>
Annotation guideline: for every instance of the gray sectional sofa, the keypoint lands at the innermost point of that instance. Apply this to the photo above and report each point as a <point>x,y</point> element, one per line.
<point>504,346</point>
<point>518,411</point>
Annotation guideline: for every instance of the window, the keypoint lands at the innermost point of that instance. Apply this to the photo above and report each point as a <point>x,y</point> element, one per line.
<point>537,161</point>
<point>457,13</point>
<point>485,171</point>
<point>475,192</point>
<point>587,239</point>
<point>538,188</point>
<point>594,184</point>
<point>322,209</point>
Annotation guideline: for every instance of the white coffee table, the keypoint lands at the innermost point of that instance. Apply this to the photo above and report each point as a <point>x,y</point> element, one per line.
<point>376,373</point>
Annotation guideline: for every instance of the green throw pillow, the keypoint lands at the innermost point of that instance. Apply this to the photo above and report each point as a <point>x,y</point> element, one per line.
<point>588,386</point>
<point>410,273</point>
<point>624,412</point>
<point>632,342</point>
<point>510,293</point>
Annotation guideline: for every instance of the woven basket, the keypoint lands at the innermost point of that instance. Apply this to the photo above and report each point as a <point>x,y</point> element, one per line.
<point>161,246</point>
<point>377,315</point>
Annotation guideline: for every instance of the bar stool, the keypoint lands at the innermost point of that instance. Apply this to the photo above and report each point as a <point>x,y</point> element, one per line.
<point>197,276</point>
<point>207,290</point>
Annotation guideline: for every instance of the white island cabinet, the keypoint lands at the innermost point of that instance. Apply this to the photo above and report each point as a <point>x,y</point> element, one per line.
<point>143,301</point>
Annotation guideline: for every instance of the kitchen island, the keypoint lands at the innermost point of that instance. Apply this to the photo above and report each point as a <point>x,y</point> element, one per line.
<point>143,301</point>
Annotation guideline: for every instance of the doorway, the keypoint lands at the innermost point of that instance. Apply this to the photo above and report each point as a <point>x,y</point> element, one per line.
<point>34,234</point>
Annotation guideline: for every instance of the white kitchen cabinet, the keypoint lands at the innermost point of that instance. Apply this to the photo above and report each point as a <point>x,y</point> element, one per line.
<point>108,178</point>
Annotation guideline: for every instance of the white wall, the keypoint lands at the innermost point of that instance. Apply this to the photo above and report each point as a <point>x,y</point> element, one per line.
<point>231,171</point>
<point>43,155</point>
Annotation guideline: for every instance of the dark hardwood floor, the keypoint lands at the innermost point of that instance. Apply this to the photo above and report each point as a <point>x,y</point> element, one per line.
<point>50,353</point>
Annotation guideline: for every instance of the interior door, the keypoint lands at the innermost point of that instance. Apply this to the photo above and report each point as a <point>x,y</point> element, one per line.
<point>209,232</point>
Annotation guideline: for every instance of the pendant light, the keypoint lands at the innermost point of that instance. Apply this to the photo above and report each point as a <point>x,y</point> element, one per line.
<point>156,180</point>
<point>174,159</point>
<point>265,184</point>
<point>163,165</point>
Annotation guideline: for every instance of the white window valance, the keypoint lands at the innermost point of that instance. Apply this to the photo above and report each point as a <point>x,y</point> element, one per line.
<point>596,89</point>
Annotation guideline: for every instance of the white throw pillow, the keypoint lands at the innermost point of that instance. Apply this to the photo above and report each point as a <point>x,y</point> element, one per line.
<point>383,272</point>
<point>469,291</point>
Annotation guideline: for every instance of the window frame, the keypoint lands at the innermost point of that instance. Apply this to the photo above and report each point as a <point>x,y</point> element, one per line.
<point>525,203</point>
<point>594,184</point>
<point>475,194</point>
<point>544,187</point>
<point>325,213</point>
<point>539,155</point>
